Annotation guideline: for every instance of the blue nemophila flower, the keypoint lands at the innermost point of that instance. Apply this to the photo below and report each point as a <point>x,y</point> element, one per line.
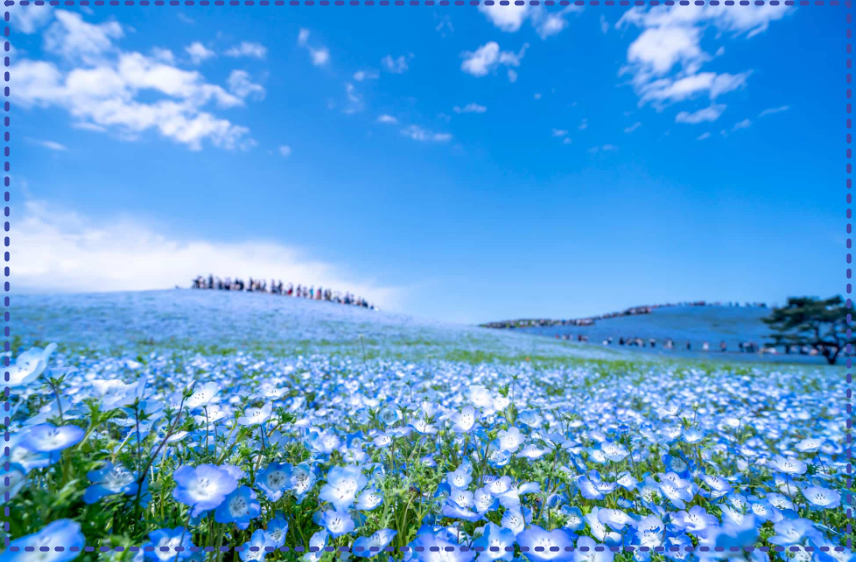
<point>460,478</point>
<point>514,520</point>
<point>378,540</point>
<point>810,445</point>
<point>422,427</point>
<point>277,529</point>
<point>532,452</point>
<point>510,439</point>
<point>793,531</point>
<point>369,499</point>
<point>613,451</point>
<point>110,481</point>
<point>718,486</point>
<point>437,547</point>
<point>600,531</point>
<point>29,365</point>
<point>389,416</point>
<point>573,518</point>
<point>302,480</point>
<point>788,465</point>
<point>240,507</point>
<point>65,533</point>
<point>343,484</point>
<point>650,531</point>
<point>274,480</point>
<point>255,416</point>
<point>464,421</point>
<point>203,487</point>
<point>317,542</point>
<point>202,395</point>
<point>822,498</point>
<point>484,501</point>
<point>14,478</point>
<point>546,545</point>
<point>337,523</point>
<point>382,440</point>
<point>614,518</point>
<point>169,539</point>
<point>694,520</point>
<point>47,438</point>
<point>494,540</point>
<point>258,541</point>
<point>586,551</point>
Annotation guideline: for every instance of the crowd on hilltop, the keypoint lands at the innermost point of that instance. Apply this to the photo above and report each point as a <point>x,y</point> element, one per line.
<point>669,343</point>
<point>632,311</point>
<point>277,288</point>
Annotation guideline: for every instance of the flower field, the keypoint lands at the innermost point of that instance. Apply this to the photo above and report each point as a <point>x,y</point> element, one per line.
<point>399,440</point>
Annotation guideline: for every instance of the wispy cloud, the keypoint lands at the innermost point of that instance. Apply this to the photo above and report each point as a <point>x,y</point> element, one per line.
<point>361,75</point>
<point>285,150</point>
<point>583,126</point>
<point>745,124</point>
<point>423,135</point>
<point>387,119</point>
<point>320,56</point>
<point>559,133</point>
<point>774,110</point>
<point>396,65</point>
<point>632,127</point>
<point>703,136</point>
<point>247,49</point>
<point>705,115</point>
<point>489,57</point>
<point>509,19</point>
<point>603,148</point>
<point>50,145</point>
<point>198,52</point>
<point>470,108</point>
<point>62,251</point>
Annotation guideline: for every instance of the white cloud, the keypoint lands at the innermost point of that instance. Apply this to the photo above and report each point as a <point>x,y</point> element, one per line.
<point>583,126</point>
<point>745,124</point>
<point>387,119</point>
<point>102,87</point>
<point>163,55</point>
<point>488,57</point>
<point>774,110</point>
<point>703,136</point>
<point>506,18</point>
<point>184,18</point>
<point>566,140</point>
<point>241,85</point>
<point>537,96</point>
<point>470,108</point>
<point>320,56</point>
<point>396,65</point>
<point>61,251</point>
<point>632,127</point>
<point>714,85</point>
<point>355,101</point>
<point>198,52</point>
<point>247,49</point>
<point>361,75</point>
<point>604,25</point>
<point>419,134</point>
<point>604,148</point>
<point>510,18</point>
<point>666,58</point>
<point>444,26</point>
<point>559,132</point>
<point>29,19</point>
<point>50,145</point>
<point>74,39</point>
<point>707,114</point>
<point>285,150</point>
<point>512,76</point>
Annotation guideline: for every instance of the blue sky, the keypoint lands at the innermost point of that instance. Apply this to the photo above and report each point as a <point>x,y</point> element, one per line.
<point>462,163</point>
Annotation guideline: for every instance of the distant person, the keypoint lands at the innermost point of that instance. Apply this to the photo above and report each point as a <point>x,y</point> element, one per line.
<point>621,341</point>
<point>705,346</point>
<point>689,345</point>
<point>722,347</point>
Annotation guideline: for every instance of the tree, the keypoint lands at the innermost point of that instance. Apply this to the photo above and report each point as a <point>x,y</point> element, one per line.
<point>817,323</point>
